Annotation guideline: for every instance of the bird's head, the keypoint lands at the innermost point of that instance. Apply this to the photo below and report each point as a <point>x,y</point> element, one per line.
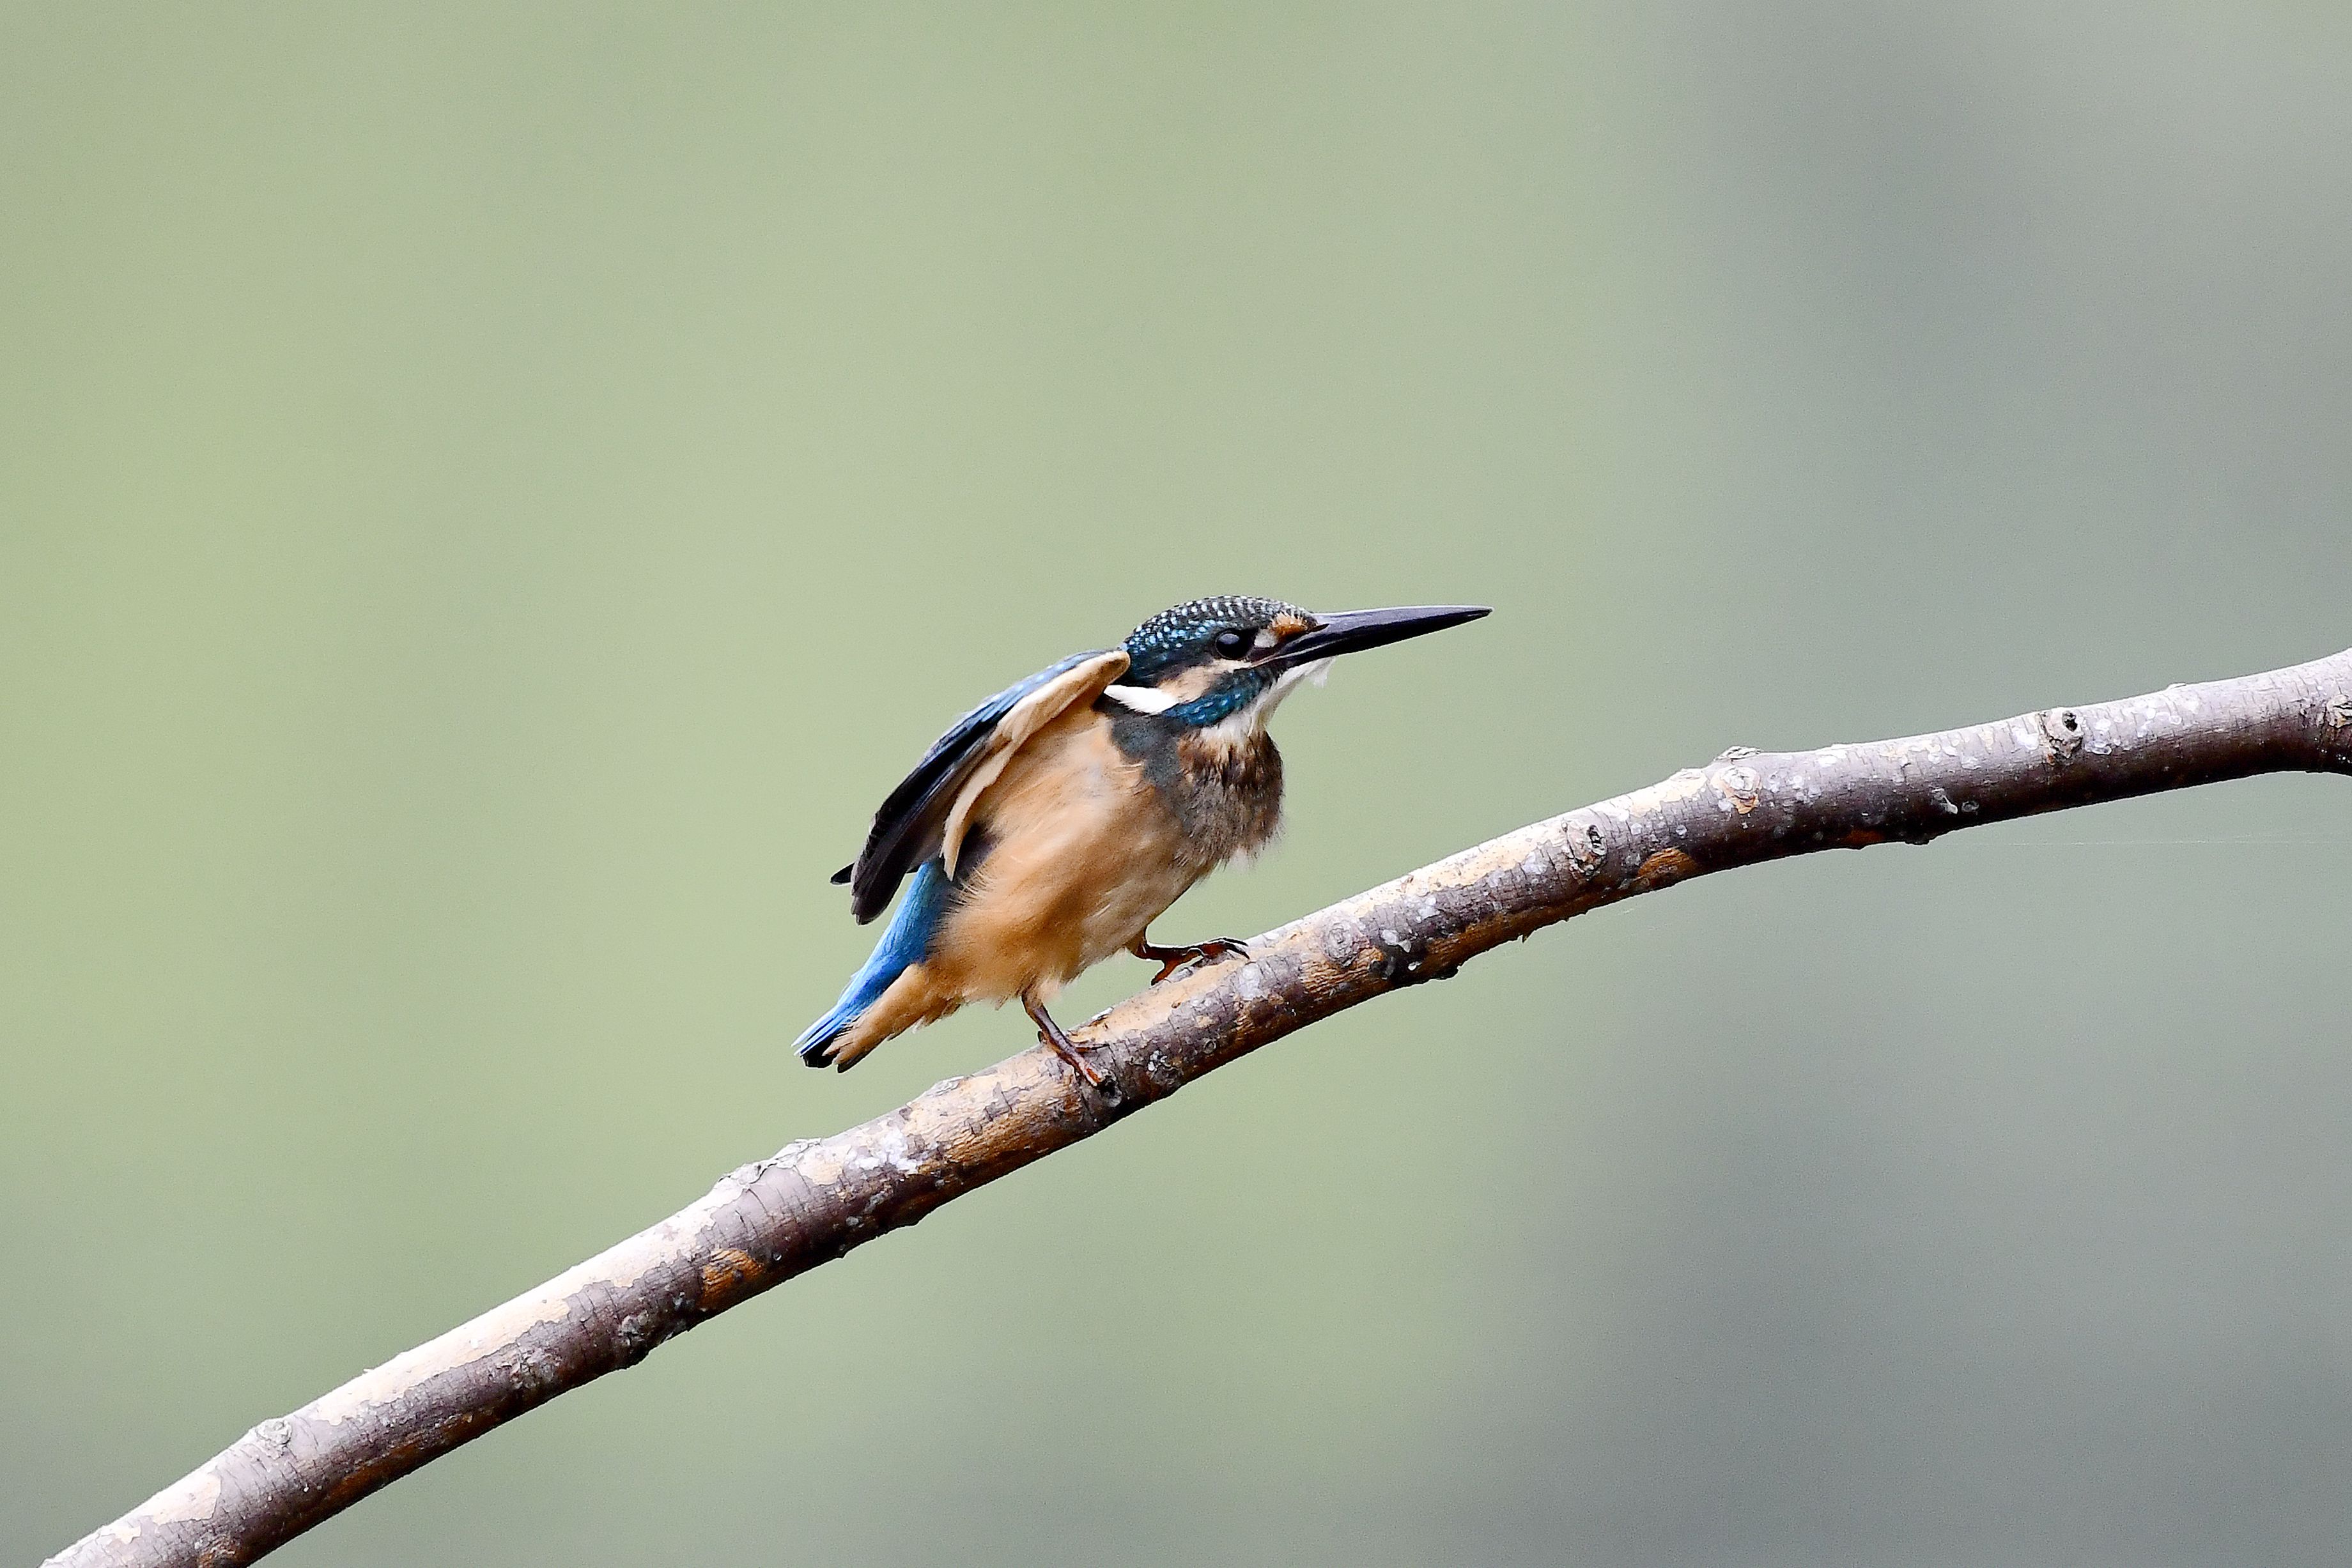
<point>1234,658</point>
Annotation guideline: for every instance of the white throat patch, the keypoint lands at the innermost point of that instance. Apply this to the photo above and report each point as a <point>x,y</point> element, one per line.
<point>1289,681</point>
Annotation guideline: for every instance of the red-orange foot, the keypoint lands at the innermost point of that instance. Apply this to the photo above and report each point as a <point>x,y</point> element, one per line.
<point>1175,958</point>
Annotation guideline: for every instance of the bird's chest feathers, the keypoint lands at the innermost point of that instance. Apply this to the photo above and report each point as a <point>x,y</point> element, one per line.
<point>1222,783</point>
<point>1078,853</point>
<point>1087,838</point>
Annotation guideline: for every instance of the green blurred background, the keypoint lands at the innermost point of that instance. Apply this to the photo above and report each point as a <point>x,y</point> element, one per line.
<point>490,498</point>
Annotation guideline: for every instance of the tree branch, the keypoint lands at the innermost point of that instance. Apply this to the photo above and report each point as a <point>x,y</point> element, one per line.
<point>814,1200</point>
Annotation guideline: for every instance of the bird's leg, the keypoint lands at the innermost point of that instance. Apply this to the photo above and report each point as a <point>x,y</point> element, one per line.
<point>1175,958</point>
<point>1064,1046</point>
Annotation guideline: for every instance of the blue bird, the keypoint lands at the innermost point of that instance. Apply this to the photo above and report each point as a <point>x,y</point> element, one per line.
<point>1051,825</point>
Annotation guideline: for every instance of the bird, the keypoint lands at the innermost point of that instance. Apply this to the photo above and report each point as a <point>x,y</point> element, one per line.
<point>1051,825</point>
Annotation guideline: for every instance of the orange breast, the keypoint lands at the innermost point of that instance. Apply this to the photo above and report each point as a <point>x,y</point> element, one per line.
<point>1081,856</point>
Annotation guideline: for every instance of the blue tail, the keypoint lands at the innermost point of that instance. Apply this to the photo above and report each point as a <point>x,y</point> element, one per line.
<point>903,944</point>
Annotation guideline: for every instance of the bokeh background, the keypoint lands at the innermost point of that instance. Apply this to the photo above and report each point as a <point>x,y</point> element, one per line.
<point>491,496</point>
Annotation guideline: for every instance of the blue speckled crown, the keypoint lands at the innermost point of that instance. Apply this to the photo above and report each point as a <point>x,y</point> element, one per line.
<point>1182,633</point>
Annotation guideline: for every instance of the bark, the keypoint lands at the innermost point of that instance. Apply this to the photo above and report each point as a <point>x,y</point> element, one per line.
<point>814,1200</point>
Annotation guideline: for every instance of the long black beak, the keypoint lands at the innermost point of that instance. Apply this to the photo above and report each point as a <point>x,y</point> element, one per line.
<point>1353,631</point>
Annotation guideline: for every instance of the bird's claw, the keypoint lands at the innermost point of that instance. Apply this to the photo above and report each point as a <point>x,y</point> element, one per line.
<point>1179,958</point>
<point>1074,1053</point>
<point>1053,1034</point>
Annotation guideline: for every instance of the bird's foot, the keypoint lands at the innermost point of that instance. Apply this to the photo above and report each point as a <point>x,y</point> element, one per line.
<point>1070,1051</point>
<point>1172,959</point>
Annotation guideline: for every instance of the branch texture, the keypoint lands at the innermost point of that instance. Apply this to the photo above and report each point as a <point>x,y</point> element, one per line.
<point>814,1200</point>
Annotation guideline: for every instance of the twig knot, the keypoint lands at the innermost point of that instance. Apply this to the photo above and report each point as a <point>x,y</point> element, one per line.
<point>2062,733</point>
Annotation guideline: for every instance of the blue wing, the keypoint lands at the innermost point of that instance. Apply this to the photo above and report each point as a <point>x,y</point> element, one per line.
<point>907,828</point>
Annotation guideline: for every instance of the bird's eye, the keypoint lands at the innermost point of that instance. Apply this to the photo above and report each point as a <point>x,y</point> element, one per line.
<point>1233,644</point>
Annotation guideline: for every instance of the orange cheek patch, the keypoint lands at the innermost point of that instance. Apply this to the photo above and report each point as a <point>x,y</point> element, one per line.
<point>1286,625</point>
<point>1192,683</point>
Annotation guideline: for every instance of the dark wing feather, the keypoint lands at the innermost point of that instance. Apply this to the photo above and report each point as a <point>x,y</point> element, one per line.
<point>907,828</point>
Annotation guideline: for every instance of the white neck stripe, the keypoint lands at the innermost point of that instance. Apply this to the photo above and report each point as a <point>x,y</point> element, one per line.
<point>1140,699</point>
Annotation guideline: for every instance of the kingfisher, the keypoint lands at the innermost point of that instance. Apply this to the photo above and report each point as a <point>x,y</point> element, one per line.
<point>1051,825</point>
